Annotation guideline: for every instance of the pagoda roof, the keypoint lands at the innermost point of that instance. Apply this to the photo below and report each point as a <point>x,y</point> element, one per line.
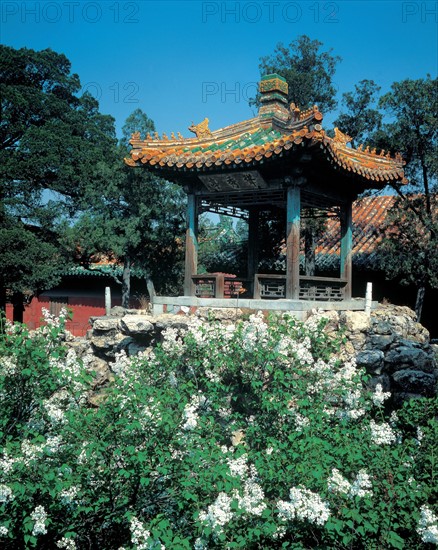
<point>278,132</point>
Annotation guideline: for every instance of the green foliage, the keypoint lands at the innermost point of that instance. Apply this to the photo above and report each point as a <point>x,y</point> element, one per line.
<point>413,130</point>
<point>52,144</point>
<point>307,70</point>
<point>249,435</point>
<point>361,118</point>
<point>409,248</point>
<point>222,246</point>
<point>136,220</point>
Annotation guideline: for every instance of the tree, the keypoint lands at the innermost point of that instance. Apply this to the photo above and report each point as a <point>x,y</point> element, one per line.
<point>222,245</point>
<point>411,240</point>
<point>360,119</point>
<point>307,70</point>
<point>136,221</point>
<point>309,73</point>
<point>53,147</point>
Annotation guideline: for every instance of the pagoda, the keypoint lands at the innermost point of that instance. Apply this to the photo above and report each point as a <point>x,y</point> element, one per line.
<point>281,161</point>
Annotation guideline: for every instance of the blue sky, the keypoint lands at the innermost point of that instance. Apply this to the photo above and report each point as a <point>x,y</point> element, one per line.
<point>183,61</point>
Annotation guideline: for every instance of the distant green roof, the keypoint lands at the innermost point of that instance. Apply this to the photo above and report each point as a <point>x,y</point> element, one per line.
<point>100,271</point>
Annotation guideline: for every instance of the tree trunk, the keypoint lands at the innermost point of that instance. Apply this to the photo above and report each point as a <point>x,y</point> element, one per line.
<point>419,302</point>
<point>126,282</point>
<point>151,289</point>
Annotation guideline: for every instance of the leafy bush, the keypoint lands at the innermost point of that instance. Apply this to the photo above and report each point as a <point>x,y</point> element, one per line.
<point>225,436</point>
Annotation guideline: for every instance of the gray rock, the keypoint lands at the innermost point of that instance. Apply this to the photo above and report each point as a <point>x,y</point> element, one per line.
<point>117,311</point>
<point>409,355</point>
<point>136,325</point>
<point>383,380</point>
<point>219,314</point>
<point>381,327</point>
<point>101,371</point>
<point>107,343</point>
<point>134,349</point>
<point>371,360</point>
<point>105,324</point>
<point>414,381</point>
<point>80,345</point>
<point>380,341</point>
<point>355,321</point>
<point>357,340</point>
<point>165,321</point>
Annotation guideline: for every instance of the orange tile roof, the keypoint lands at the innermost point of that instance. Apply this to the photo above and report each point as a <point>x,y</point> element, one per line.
<point>369,214</point>
<point>276,132</point>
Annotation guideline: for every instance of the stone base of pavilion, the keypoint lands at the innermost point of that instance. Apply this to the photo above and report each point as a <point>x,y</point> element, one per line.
<point>297,308</point>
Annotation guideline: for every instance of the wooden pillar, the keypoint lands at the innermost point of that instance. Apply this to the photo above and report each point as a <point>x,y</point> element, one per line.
<point>191,262</point>
<point>293,209</point>
<point>346,246</point>
<point>253,242</point>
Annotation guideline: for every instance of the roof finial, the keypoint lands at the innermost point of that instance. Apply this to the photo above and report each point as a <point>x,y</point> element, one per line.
<point>341,138</point>
<point>201,130</point>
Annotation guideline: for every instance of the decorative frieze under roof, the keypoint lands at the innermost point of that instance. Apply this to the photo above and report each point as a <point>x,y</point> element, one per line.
<point>279,133</point>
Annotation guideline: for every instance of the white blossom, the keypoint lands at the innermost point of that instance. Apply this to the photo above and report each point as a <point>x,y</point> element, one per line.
<point>8,365</point>
<point>238,466</point>
<point>420,435</point>
<point>53,320</point>
<point>190,413</point>
<point>3,531</point>
<point>68,544</point>
<point>379,396</point>
<point>304,505</point>
<point>68,496</point>
<point>219,513</point>
<point>7,463</point>
<point>252,499</point>
<point>427,526</point>
<point>362,486</point>
<point>6,493</point>
<point>39,516</point>
<point>382,434</point>
<point>300,421</point>
<point>141,537</point>
<point>338,484</point>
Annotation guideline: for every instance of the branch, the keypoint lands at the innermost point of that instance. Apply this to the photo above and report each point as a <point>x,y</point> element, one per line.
<point>417,212</point>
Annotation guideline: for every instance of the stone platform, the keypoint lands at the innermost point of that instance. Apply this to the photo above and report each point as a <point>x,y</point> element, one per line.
<point>297,308</point>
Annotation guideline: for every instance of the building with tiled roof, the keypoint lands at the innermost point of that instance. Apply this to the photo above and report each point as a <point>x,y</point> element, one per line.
<point>280,161</point>
<point>369,215</point>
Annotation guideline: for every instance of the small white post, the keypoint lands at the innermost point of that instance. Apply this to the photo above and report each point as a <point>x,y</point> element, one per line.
<point>368,298</point>
<point>107,300</point>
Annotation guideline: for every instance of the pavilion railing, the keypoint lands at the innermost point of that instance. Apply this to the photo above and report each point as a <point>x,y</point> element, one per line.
<point>220,285</point>
<point>328,289</point>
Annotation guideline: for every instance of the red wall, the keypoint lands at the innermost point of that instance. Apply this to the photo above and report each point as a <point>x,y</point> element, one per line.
<point>85,299</point>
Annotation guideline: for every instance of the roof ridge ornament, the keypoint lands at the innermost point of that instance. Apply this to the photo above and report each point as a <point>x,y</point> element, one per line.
<point>341,138</point>
<point>201,130</point>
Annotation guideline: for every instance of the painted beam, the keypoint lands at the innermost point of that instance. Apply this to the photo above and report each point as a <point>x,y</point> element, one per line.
<point>293,212</point>
<point>191,258</point>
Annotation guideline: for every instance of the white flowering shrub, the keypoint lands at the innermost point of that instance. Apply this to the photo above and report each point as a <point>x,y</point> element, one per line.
<point>250,435</point>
